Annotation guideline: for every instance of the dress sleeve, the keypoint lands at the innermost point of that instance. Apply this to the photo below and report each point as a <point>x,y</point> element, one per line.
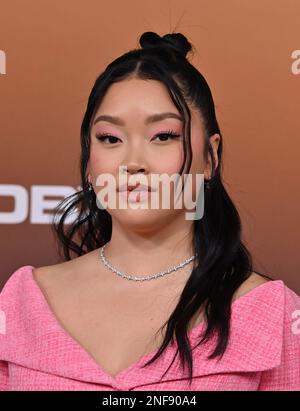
<point>286,377</point>
<point>3,375</point>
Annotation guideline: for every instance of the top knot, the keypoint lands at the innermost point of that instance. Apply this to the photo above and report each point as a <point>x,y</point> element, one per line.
<point>176,41</point>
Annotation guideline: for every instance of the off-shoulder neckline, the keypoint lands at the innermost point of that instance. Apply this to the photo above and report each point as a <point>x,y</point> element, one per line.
<point>192,333</point>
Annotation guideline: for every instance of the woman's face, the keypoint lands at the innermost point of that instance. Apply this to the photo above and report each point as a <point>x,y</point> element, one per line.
<point>137,144</point>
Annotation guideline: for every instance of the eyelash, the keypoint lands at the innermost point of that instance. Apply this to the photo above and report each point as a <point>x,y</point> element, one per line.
<point>102,136</point>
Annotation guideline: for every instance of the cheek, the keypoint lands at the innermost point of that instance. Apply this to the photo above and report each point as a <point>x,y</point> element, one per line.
<point>197,165</point>
<point>169,161</point>
<point>196,175</point>
<point>100,163</point>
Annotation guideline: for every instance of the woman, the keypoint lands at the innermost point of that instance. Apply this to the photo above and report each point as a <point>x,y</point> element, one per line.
<point>153,300</point>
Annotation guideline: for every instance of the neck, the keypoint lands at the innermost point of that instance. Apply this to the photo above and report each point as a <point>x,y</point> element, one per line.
<point>145,252</point>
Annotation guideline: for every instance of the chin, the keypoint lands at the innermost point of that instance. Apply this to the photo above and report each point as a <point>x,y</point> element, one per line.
<point>144,219</point>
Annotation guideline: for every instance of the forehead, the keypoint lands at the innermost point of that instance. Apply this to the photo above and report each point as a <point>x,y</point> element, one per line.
<point>136,95</point>
<point>138,98</point>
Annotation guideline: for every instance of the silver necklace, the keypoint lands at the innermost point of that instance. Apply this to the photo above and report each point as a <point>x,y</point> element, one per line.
<point>147,277</point>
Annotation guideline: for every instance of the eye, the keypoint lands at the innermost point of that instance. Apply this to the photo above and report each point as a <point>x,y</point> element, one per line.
<point>102,137</point>
<point>167,134</point>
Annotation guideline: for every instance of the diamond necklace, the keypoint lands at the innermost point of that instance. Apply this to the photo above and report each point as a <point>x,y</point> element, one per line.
<point>147,277</point>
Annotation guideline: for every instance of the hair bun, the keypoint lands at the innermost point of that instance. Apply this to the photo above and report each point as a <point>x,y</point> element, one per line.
<point>176,41</point>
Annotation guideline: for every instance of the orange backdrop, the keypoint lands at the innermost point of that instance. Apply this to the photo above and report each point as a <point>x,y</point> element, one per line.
<point>52,52</point>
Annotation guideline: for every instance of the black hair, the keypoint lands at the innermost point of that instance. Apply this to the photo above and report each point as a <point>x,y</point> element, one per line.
<point>223,262</point>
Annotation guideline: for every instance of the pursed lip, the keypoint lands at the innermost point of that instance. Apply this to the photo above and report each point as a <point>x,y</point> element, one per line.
<point>136,187</point>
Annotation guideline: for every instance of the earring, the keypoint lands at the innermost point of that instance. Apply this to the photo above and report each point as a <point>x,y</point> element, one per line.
<point>90,187</point>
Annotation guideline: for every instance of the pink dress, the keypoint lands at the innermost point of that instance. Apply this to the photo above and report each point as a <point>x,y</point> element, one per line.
<point>37,353</point>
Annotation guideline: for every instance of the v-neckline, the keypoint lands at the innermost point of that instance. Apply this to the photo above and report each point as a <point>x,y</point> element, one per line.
<point>115,380</point>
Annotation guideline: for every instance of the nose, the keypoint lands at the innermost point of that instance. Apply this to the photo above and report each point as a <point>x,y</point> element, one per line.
<point>135,168</point>
<point>135,160</point>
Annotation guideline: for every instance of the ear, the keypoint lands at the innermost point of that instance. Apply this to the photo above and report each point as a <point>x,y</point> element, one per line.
<point>214,141</point>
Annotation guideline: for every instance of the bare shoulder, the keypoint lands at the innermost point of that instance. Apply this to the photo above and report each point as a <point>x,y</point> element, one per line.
<point>253,281</point>
<point>50,278</point>
<point>59,276</point>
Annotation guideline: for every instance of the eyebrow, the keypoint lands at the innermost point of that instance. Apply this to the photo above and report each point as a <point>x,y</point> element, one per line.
<point>151,119</point>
